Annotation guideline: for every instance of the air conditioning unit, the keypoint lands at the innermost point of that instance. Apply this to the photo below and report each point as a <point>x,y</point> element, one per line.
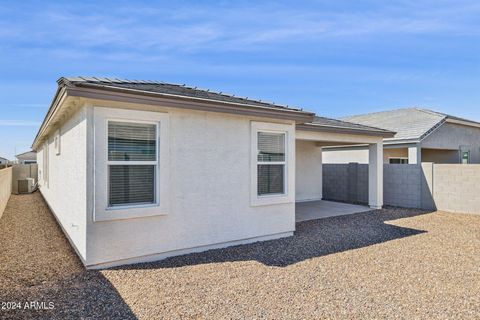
<point>26,185</point>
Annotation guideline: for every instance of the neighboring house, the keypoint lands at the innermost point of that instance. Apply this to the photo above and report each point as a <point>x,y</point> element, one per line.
<point>421,136</point>
<point>142,170</point>
<point>28,157</point>
<point>3,161</point>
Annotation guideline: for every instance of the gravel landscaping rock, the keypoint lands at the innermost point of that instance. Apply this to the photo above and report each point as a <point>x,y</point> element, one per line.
<point>392,263</point>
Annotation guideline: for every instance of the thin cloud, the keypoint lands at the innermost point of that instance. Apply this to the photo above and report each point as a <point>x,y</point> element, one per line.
<point>147,31</point>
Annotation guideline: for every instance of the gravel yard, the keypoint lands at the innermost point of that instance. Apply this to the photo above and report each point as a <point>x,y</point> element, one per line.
<point>391,263</point>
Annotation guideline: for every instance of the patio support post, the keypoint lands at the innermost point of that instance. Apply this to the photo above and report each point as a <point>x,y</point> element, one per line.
<point>415,154</point>
<point>375,175</point>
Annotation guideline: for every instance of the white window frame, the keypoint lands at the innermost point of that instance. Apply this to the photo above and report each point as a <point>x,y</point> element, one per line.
<point>134,163</point>
<point>289,164</point>
<point>401,158</point>
<point>102,211</point>
<point>284,163</point>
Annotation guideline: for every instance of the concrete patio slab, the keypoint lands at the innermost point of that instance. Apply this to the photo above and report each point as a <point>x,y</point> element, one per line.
<point>311,210</point>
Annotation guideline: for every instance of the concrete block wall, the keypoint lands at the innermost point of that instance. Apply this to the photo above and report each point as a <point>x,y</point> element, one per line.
<point>5,188</point>
<point>23,171</point>
<point>335,182</point>
<point>456,187</point>
<point>444,187</point>
<point>402,185</point>
<point>349,183</point>
<point>345,182</point>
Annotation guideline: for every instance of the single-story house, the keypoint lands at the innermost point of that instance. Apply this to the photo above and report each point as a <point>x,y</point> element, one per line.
<point>142,170</point>
<point>28,157</point>
<point>3,161</point>
<point>421,136</point>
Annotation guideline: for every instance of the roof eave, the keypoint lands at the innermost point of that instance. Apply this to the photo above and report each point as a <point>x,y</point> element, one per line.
<point>93,91</point>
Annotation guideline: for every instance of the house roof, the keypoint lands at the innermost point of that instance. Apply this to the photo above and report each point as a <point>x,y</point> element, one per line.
<point>410,124</point>
<point>173,90</point>
<point>323,123</point>
<point>26,153</point>
<point>182,96</point>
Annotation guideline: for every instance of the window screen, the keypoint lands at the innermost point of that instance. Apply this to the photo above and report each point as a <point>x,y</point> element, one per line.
<point>132,163</point>
<point>271,163</point>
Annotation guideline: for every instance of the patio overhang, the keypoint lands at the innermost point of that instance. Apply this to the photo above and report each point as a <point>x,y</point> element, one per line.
<point>324,137</point>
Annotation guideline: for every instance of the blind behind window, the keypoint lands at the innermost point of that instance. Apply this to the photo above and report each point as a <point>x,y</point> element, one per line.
<point>131,184</point>
<point>271,147</point>
<point>270,179</point>
<point>131,141</point>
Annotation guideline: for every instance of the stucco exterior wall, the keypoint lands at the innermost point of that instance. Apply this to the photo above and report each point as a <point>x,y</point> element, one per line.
<point>440,156</point>
<point>208,189</point>
<point>346,156</point>
<point>452,136</point>
<point>308,176</point>
<point>361,155</point>
<point>65,192</point>
<point>5,188</point>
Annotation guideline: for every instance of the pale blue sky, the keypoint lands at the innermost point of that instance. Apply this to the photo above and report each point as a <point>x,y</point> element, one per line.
<point>332,57</point>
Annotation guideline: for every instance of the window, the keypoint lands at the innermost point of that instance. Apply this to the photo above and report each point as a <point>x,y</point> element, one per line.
<point>270,163</point>
<point>132,163</point>
<point>465,157</point>
<point>56,142</point>
<point>45,163</point>
<point>398,160</point>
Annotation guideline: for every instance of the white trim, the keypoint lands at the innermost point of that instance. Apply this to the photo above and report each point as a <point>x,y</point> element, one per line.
<point>154,163</point>
<point>104,212</point>
<point>289,164</point>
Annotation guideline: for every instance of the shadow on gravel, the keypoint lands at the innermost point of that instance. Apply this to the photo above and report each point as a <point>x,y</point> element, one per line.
<point>314,238</point>
<point>39,267</point>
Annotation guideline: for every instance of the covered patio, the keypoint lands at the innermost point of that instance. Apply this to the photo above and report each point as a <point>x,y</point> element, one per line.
<point>324,132</point>
<point>312,210</point>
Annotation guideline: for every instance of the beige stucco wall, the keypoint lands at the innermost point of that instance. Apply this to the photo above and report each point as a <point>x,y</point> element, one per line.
<point>65,191</point>
<point>208,190</point>
<point>360,155</point>
<point>308,171</point>
<point>345,156</point>
<point>5,187</point>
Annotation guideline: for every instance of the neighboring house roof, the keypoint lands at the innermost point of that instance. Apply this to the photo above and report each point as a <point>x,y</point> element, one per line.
<point>326,124</point>
<point>410,124</point>
<point>28,155</point>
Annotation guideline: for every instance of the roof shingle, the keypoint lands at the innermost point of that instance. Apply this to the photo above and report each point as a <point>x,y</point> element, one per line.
<point>408,123</point>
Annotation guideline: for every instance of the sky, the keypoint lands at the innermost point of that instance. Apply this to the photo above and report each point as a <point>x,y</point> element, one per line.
<point>334,58</point>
